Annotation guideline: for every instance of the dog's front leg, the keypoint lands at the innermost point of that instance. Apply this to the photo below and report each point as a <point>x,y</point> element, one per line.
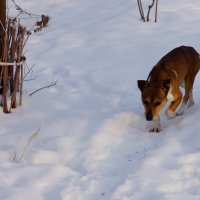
<point>174,104</point>
<point>155,126</point>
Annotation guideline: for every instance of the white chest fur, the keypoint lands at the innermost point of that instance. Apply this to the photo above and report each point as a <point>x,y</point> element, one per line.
<point>170,96</point>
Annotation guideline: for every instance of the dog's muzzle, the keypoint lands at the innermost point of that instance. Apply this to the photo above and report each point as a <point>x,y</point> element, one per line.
<point>149,116</point>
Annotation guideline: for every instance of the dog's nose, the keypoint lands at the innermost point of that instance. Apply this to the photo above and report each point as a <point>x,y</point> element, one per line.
<point>149,116</point>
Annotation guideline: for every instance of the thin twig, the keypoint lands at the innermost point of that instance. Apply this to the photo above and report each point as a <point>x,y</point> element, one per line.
<point>30,69</point>
<point>48,86</point>
<point>3,27</point>
<point>30,79</point>
<point>24,11</point>
<point>26,40</point>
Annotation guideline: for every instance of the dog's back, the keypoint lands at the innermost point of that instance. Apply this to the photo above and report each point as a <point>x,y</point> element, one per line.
<point>176,64</point>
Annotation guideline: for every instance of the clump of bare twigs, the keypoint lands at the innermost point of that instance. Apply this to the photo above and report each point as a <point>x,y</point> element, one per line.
<point>39,24</point>
<point>42,23</point>
<point>12,60</point>
<point>146,19</point>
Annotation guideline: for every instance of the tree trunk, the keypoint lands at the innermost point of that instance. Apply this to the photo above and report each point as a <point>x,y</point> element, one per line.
<point>2,25</point>
<point>2,34</point>
<point>5,76</point>
<point>17,80</point>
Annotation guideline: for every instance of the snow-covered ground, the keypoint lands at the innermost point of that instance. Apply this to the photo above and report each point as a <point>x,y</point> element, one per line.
<point>91,139</point>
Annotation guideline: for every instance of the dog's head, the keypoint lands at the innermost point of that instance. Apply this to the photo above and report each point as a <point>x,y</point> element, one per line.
<point>154,97</point>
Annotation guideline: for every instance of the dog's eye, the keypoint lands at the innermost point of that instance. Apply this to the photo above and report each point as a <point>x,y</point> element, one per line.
<point>146,103</point>
<point>157,103</point>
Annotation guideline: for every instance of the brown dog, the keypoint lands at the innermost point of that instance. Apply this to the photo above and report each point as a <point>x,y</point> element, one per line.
<point>179,66</point>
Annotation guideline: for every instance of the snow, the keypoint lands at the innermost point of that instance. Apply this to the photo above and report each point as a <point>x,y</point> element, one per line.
<point>88,135</point>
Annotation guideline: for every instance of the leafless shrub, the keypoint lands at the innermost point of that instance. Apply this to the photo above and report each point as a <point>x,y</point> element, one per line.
<point>12,60</point>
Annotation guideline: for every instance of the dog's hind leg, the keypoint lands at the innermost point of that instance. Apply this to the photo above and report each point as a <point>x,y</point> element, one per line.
<point>189,80</point>
<point>191,100</point>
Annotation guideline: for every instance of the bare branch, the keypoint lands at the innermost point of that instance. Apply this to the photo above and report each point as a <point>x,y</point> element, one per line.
<point>30,79</point>
<point>29,70</point>
<point>150,6</point>
<point>2,26</point>
<point>22,11</point>
<point>53,83</point>
<point>141,10</point>
<point>156,11</point>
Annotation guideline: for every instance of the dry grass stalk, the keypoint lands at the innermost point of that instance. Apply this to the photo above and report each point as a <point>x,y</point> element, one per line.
<point>32,138</point>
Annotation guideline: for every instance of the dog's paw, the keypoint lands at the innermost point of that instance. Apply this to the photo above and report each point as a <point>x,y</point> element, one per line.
<point>170,114</point>
<point>155,130</point>
<point>155,125</point>
<point>179,113</point>
<point>181,110</point>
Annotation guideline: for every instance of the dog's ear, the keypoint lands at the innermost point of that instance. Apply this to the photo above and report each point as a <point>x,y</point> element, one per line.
<point>141,84</point>
<point>165,85</point>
